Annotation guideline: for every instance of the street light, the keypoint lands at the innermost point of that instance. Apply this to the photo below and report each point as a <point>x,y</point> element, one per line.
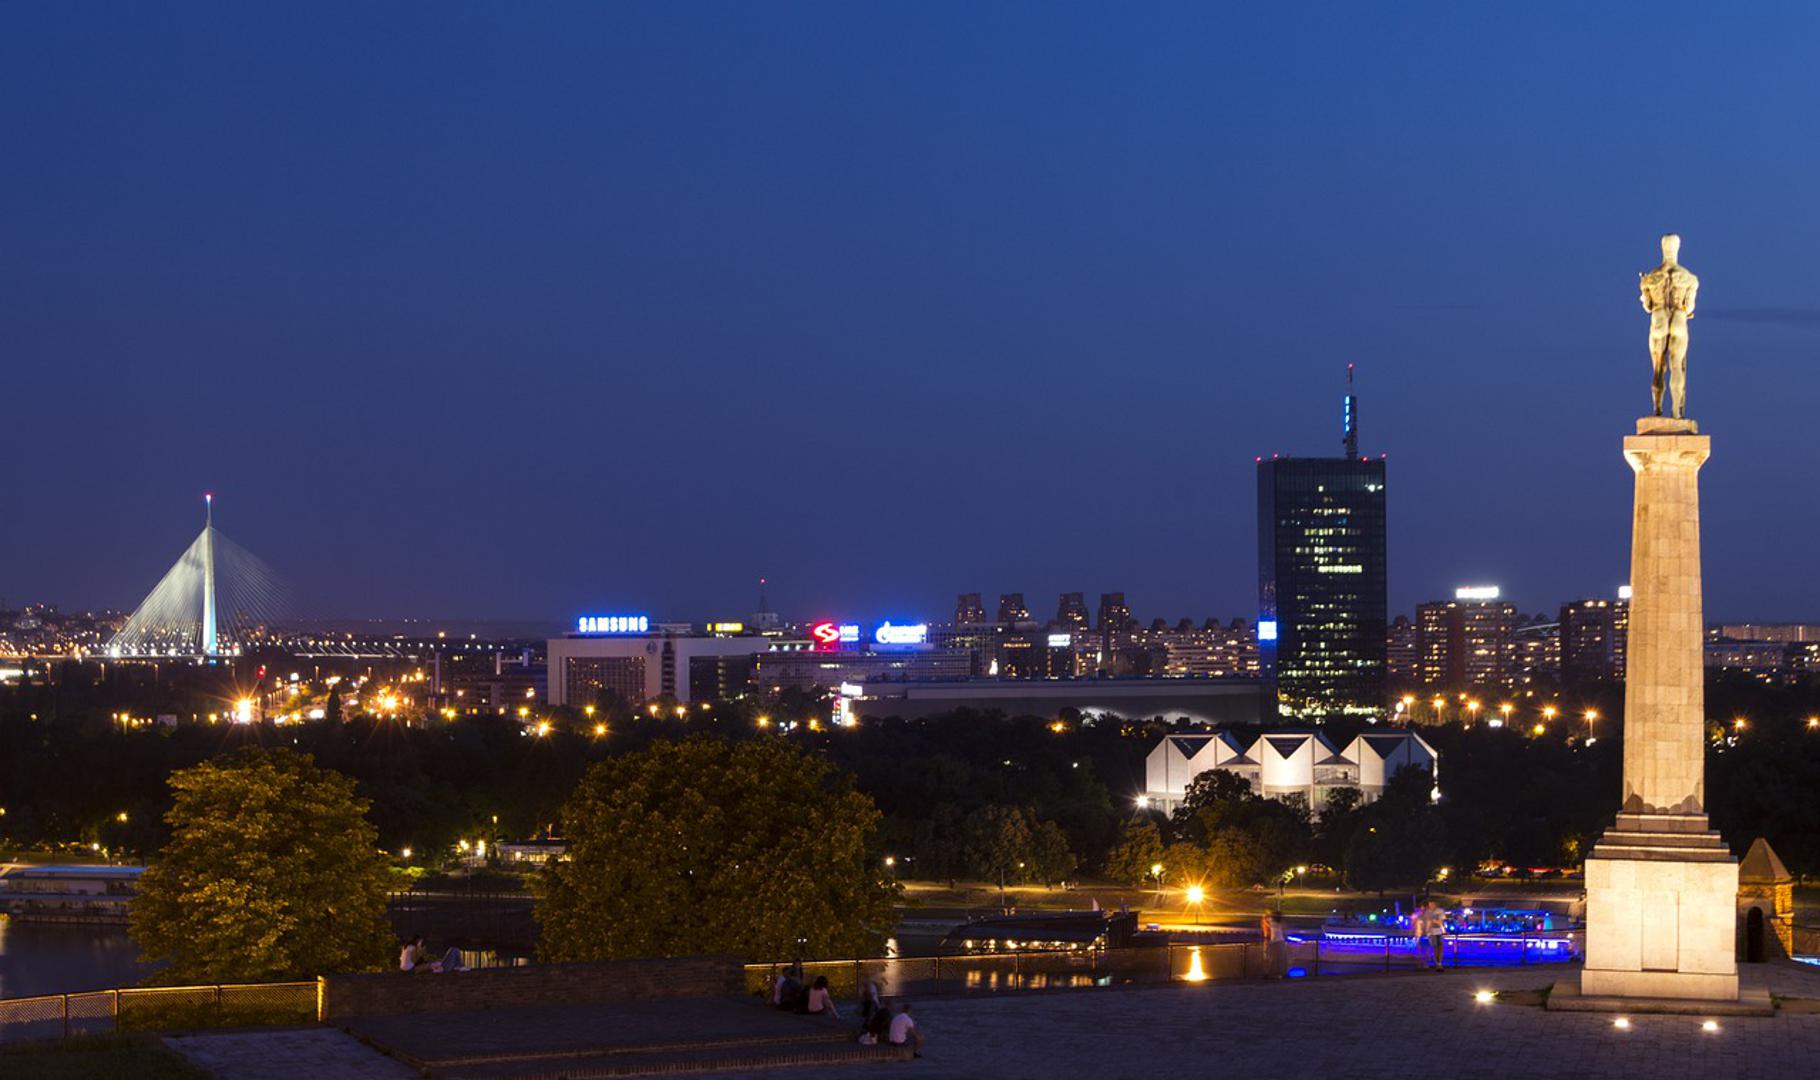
<point>1591,715</point>
<point>1549,711</point>
<point>1473,708</point>
<point>1507,708</point>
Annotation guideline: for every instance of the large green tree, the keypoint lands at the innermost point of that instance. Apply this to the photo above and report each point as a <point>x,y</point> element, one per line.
<point>711,846</point>
<point>272,872</point>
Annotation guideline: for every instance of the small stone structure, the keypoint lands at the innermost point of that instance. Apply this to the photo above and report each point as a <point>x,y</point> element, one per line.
<point>1766,887</point>
<point>394,993</point>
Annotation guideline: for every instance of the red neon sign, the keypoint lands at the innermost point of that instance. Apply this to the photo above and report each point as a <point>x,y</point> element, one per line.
<point>825,634</point>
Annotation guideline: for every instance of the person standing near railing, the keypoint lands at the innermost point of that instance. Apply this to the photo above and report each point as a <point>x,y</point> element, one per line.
<point>1434,926</point>
<point>1276,948</point>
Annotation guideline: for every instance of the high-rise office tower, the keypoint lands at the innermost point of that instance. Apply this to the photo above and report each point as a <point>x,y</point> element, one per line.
<point>1593,637</point>
<point>1467,642</point>
<point>1072,613</point>
<point>1011,609</point>
<point>968,611</point>
<point>1115,624</point>
<point>1321,580</point>
<point>1586,640</point>
<point>1402,653</point>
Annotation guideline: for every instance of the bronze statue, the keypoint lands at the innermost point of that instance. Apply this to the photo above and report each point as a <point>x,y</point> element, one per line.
<point>1668,296</point>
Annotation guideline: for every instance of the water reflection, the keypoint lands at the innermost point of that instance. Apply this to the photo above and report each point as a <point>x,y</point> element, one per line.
<point>48,958</point>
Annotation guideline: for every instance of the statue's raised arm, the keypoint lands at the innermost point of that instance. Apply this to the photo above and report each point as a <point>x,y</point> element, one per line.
<point>1668,294</point>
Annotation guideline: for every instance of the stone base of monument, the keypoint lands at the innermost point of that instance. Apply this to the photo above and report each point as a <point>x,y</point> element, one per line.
<point>1661,918</point>
<point>1753,999</point>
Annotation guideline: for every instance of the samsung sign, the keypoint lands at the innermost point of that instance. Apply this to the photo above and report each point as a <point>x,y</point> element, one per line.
<point>613,624</point>
<point>888,634</point>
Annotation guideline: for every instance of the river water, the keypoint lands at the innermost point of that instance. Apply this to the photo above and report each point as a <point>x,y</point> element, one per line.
<point>47,958</point>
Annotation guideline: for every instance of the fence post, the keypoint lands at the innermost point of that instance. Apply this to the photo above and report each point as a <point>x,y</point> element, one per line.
<point>1319,936</point>
<point>66,1016</point>
<point>116,1011</point>
<point>217,1004</point>
<point>1523,947</point>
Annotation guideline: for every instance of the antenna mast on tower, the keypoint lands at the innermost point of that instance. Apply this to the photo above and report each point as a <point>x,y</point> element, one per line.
<point>1350,418</point>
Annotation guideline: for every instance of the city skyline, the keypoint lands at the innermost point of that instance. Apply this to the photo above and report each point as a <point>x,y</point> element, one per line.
<point>445,352</point>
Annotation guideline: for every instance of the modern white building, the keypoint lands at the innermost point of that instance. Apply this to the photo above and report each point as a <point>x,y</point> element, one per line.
<point>1279,762</point>
<point>639,660</point>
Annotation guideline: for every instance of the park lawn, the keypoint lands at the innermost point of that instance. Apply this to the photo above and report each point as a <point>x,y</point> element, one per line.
<point>102,1057</point>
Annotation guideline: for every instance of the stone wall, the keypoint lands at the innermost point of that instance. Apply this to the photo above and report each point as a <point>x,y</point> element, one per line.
<point>342,997</point>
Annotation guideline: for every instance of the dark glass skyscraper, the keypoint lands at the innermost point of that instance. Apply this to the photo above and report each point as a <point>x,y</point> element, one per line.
<point>1321,582</point>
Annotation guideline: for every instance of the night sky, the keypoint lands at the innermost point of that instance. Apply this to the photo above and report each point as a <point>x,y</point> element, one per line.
<point>531,310</point>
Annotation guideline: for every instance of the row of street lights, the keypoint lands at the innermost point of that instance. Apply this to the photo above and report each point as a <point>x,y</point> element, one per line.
<point>1473,706</point>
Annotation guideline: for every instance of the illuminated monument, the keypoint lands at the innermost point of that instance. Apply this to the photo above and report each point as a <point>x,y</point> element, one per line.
<point>1661,887</point>
<point>181,616</point>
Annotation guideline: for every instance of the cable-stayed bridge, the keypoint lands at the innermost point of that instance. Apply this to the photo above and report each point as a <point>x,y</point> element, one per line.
<point>210,603</point>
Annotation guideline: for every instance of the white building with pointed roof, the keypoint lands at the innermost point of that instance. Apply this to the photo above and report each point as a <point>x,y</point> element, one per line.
<point>1283,762</point>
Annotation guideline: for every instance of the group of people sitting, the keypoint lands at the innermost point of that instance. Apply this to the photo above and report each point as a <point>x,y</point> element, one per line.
<point>879,1025</point>
<point>414,957</point>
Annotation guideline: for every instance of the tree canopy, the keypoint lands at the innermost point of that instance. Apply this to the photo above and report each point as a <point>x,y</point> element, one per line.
<point>713,846</point>
<point>272,872</point>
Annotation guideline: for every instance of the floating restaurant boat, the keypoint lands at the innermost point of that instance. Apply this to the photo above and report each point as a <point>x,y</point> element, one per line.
<point>72,894</point>
<point>1063,930</point>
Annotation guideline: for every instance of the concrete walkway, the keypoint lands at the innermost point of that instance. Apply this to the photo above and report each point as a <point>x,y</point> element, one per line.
<point>294,1054</point>
<point>1350,1026</point>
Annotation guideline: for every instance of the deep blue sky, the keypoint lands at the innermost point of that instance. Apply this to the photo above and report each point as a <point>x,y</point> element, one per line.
<point>535,309</point>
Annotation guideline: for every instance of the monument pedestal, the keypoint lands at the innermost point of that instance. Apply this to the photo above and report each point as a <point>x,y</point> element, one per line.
<point>1661,911</point>
<point>1661,887</point>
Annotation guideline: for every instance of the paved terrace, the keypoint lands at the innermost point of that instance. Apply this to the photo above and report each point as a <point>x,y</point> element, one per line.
<point>1344,1026</point>
<point>1350,1026</point>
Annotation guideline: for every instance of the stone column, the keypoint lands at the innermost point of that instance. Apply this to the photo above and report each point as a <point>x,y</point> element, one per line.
<point>1661,887</point>
<point>1664,680</point>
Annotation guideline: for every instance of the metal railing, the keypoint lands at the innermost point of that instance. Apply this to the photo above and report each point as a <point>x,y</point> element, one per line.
<point>1211,962</point>
<point>156,1008</point>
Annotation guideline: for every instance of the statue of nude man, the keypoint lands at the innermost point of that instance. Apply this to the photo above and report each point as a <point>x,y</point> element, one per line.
<point>1668,295</point>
